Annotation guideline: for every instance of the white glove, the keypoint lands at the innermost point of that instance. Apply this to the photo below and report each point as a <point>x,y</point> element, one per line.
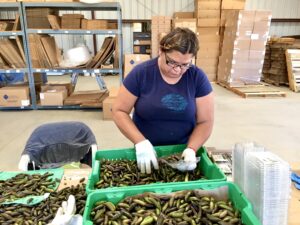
<point>145,156</point>
<point>65,214</point>
<point>23,163</point>
<point>189,156</point>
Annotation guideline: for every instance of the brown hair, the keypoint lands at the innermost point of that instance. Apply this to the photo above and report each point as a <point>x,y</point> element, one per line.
<point>180,39</point>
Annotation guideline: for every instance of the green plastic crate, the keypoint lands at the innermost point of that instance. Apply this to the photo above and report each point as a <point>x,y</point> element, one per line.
<point>210,170</point>
<point>240,202</point>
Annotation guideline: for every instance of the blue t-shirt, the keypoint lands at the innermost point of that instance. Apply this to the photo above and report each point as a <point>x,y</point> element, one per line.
<point>165,113</point>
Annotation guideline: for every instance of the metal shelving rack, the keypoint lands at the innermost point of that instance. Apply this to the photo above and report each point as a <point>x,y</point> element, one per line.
<point>105,6</point>
<point>16,7</point>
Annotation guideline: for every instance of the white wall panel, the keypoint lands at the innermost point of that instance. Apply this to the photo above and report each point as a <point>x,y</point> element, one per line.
<point>280,9</point>
<point>145,9</point>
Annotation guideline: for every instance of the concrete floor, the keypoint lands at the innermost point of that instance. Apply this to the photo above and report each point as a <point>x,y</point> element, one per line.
<point>270,122</point>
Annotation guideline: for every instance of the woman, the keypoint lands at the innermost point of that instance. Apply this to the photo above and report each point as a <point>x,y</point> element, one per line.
<point>172,101</point>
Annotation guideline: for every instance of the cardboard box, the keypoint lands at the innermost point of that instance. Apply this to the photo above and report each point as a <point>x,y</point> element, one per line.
<point>225,15</point>
<point>181,15</point>
<point>233,4</point>
<point>242,44</point>
<point>201,62</point>
<point>208,13</point>
<point>204,5</point>
<point>71,21</point>
<point>212,77</point>
<point>14,96</point>
<point>261,27</point>
<point>113,92</point>
<point>253,54</point>
<point>209,69</point>
<point>112,25</point>
<point>208,53</point>
<point>68,85</point>
<point>208,22</point>
<point>107,105</point>
<point>186,23</point>
<point>208,31</point>
<point>258,45</point>
<point>209,46</point>
<point>55,21</point>
<point>203,39</point>
<point>241,64</point>
<point>131,60</point>
<point>53,95</point>
<point>95,24</point>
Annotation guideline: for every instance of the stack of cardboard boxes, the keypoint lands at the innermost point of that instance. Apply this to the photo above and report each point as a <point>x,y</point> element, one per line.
<point>159,27</point>
<point>275,68</point>
<point>55,93</point>
<point>185,20</point>
<point>71,21</point>
<point>227,7</point>
<point>37,18</point>
<point>208,22</point>
<point>243,47</point>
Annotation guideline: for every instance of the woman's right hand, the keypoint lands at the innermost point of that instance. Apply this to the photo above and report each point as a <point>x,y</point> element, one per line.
<point>145,156</point>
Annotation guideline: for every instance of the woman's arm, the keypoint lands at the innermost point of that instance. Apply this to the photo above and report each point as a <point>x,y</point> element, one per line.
<point>205,120</point>
<point>121,109</point>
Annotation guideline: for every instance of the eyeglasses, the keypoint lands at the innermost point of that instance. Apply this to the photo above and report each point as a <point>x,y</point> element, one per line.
<point>170,62</point>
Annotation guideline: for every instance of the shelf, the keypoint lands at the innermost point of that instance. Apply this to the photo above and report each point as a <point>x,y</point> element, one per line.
<point>65,107</point>
<point>104,6</point>
<point>39,70</point>
<point>86,32</point>
<point>24,70</point>
<point>23,8</point>
<point>16,108</point>
<point>9,5</point>
<point>10,33</point>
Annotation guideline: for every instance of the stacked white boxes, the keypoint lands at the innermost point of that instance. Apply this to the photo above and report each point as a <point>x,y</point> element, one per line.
<point>243,47</point>
<point>267,186</point>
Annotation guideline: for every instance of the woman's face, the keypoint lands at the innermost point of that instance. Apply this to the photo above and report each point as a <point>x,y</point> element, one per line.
<point>174,64</point>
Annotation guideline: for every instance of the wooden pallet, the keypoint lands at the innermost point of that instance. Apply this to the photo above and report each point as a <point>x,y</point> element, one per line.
<point>255,91</point>
<point>293,67</point>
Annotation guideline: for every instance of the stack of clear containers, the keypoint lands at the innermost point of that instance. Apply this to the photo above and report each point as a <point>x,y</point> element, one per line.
<point>267,186</point>
<point>238,160</point>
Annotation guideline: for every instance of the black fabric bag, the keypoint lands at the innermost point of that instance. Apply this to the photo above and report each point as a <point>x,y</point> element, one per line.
<point>55,144</point>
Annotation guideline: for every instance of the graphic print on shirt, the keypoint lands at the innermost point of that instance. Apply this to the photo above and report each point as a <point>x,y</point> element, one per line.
<point>174,102</point>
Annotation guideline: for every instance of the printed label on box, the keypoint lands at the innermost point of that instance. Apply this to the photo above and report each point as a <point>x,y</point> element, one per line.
<point>25,102</point>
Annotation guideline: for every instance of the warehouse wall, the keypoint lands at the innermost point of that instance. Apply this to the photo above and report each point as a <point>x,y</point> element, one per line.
<point>280,9</point>
<point>145,9</point>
